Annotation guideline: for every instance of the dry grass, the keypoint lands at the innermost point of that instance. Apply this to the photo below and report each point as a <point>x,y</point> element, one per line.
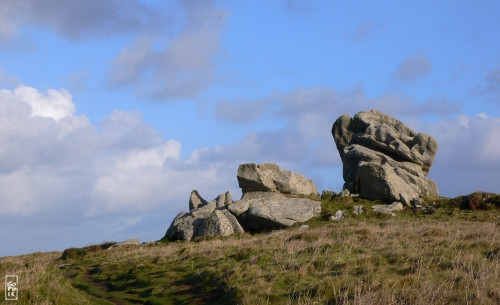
<point>451,257</point>
<point>40,280</point>
<point>387,262</point>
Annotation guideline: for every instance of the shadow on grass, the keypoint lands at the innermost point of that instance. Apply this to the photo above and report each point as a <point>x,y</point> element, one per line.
<point>203,288</point>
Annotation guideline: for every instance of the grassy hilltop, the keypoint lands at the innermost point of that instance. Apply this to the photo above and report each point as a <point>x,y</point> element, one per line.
<point>449,254</point>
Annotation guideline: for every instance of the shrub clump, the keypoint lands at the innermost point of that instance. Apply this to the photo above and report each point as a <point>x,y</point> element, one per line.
<point>73,253</point>
<point>476,201</point>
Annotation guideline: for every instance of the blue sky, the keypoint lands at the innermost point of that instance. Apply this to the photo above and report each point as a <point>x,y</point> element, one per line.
<point>111,112</point>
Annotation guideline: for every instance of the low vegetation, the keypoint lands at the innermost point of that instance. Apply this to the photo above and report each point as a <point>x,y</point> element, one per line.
<point>450,255</point>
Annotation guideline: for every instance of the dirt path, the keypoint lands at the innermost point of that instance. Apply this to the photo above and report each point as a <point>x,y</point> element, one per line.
<point>104,292</point>
<point>102,288</point>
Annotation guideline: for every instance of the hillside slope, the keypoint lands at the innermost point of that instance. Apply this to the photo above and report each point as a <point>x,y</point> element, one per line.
<point>448,255</point>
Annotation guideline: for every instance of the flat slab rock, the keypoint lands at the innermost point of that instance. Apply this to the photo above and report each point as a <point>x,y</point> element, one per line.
<point>128,242</point>
<point>268,177</point>
<point>388,209</point>
<point>264,211</point>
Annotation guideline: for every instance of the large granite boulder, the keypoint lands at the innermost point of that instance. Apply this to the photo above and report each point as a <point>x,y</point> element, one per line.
<point>268,177</point>
<point>265,211</point>
<point>204,219</point>
<point>183,227</point>
<point>383,159</point>
<point>220,223</point>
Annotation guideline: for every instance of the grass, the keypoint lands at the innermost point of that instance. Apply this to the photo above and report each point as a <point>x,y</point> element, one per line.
<point>451,256</point>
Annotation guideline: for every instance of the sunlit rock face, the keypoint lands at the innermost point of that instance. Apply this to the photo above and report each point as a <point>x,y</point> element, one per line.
<point>383,159</point>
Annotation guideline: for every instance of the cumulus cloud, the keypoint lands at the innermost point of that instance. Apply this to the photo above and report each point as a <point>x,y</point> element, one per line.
<point>56,165</point>
<point>469,154</point>
<point>183,66</point>
<point>413,68</point>
<point>135,181</point>
<point>474,137</point>
<point>55,104</point>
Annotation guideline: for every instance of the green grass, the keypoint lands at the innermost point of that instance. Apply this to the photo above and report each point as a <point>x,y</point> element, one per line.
<point>450,256</point>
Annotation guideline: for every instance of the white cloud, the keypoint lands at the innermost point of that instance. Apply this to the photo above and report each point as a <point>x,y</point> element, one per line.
<point>55,104</point>
<point>472,139</point>
<point>59,170</point>
<point>135,182</point>
<point>468,158</point>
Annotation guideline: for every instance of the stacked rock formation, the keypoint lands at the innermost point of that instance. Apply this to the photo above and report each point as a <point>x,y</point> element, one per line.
<point>265,205</point>
<point>383,159</point>
<point>205,219</point>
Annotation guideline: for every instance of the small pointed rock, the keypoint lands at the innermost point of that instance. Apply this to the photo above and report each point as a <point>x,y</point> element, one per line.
<point>220,201</point>
<point>229,198</point>
<point>196,201</point>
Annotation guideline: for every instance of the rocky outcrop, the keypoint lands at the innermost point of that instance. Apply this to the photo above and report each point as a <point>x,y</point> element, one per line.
<point>383,159</point>
<point>205,219</point>
<point>182,228</point>
<point>267,204</point>
<point>268,177</point>
<point>265,211</point>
